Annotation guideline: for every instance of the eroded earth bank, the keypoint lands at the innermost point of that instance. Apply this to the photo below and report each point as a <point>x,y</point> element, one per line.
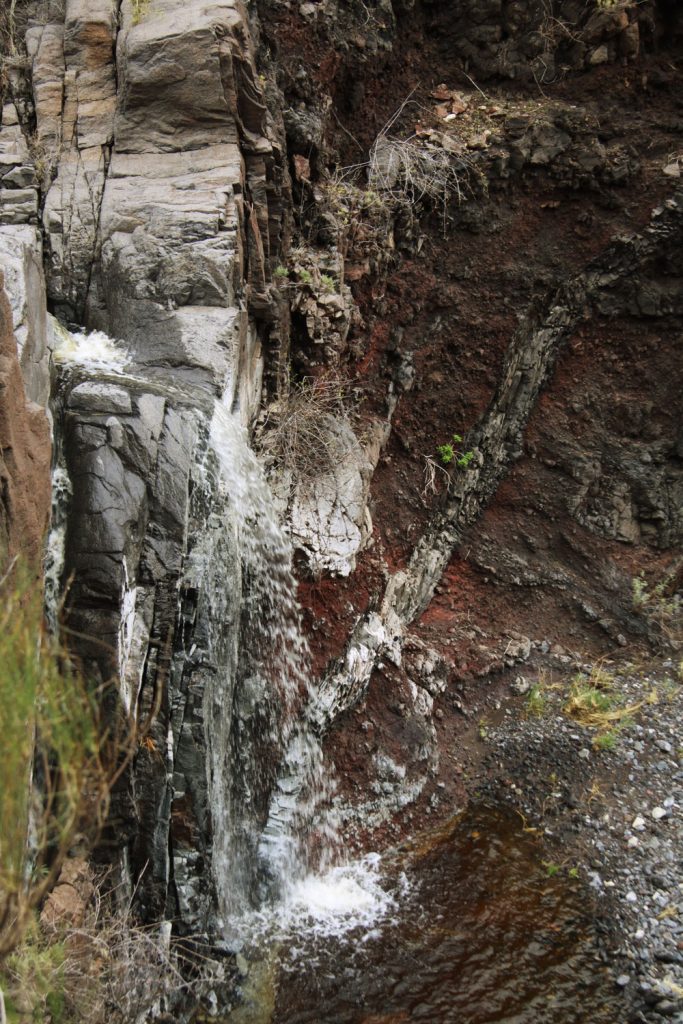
<point>427,255</point>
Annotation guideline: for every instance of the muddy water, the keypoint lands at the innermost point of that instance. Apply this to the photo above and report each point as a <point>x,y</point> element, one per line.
<point>474,932</point>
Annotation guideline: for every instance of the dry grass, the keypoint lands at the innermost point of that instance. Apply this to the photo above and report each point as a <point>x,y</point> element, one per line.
<point>595,702</point>
<point>301,436</point>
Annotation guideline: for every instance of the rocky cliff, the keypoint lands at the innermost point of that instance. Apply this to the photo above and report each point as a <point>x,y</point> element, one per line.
<point>365,230</point>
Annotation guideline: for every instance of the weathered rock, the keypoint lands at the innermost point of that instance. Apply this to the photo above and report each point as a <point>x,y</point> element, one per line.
<point>328,513</point>
<point>21,259</point>
<point>67,905</point>
<point>26,455</point>
<point>163,203</point>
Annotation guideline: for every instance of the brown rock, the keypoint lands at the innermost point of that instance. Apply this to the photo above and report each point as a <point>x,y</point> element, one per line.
<point>629,41</point>
<point>67,904</point>
<point>302,168</point>
<point>26,452</point>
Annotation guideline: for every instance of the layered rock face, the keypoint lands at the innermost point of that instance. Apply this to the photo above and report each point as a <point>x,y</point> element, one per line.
<point>162,211</point>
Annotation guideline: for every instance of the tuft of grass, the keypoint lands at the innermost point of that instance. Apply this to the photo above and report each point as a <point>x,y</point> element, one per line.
<point>536,701</point>
<point>56,776</point>
<point>606,741</point>
<point>594,702</point>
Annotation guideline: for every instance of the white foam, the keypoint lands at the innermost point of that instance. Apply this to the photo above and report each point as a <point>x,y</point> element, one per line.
<point>89,348</point>
<point>350,898</point>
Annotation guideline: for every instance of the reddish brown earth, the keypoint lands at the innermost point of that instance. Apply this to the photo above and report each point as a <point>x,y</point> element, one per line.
<point>457,303</point>
<point>25,456</point>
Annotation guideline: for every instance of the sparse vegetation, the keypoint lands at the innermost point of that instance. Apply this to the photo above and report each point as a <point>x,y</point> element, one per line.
<point>451,453</point>
<point>301,434</point>
<point>107,968</point>
<point>59,762</point>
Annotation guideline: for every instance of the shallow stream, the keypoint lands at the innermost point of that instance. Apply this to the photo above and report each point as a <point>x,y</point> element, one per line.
<point>468,924</point>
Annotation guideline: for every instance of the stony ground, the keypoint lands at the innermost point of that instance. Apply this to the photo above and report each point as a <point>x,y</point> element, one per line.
<point>604,800</point>
<point>608,802</point>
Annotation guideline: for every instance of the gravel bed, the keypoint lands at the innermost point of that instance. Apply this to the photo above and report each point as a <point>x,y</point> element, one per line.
<point>614,815</point>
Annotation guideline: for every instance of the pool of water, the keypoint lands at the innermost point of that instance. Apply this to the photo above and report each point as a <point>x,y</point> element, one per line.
<point>466,924</point>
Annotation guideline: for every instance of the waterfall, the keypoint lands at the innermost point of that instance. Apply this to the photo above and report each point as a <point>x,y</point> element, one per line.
<point>257,852</point>
<point>236,778</point>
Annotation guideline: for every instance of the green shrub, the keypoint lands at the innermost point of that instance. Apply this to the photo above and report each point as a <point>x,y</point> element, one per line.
<point>54,776</point>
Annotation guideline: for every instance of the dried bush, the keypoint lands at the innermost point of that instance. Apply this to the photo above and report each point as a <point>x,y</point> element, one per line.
<point>413,171</point>
<point>107,970</point>
<point>301,434</point>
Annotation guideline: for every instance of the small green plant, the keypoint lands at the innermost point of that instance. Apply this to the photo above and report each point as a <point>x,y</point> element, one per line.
<point>551,868</point>
<point>606,740</point>
<point>305,276</point>
<point>573,873</point>
<point>661,604</point>
<point>280,272</point>
<point>536,701</point>
<point>327,282</point>
<point>451,453</point>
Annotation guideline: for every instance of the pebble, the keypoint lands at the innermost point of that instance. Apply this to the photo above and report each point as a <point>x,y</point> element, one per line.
<point>658,813</point>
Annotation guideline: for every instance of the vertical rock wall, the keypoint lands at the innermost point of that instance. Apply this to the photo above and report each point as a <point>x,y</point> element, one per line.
<point>154,190</point>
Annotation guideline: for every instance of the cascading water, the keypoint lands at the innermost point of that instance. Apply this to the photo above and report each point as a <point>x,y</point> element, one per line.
<point>271,688</point>
<point>239,658</point>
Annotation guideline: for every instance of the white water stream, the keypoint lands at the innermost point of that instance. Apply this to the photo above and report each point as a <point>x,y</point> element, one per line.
<point>275,838</point>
